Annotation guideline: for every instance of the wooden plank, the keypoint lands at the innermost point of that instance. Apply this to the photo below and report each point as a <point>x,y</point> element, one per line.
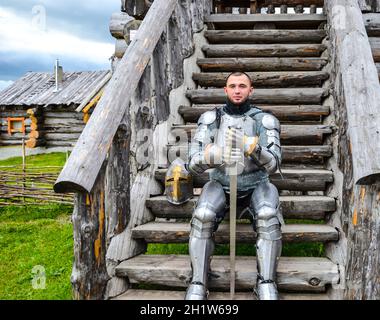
<point>375,47</point>
<point>290,154</point>
<point>372,24</point>
<point>141,295</point>
<point>288,96</point>
<point>264,3</point>
<point>239,21</point>
<point>282,112</point>
<point>178,232</point>
<point>290,134</point>
<point>264,36</point>
<point>296,180</point>
<point>279,79</point>
<point>263,50</point>
<point>260,64</point>
<point>293,207</point>
<point>88,155</point>
<point>306,274</point>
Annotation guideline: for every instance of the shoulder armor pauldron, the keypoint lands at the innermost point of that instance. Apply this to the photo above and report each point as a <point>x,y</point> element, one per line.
<point>270,122</point>
<point>207,118</point>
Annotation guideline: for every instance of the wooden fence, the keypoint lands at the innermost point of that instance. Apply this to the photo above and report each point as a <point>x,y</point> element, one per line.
<point>30,186</point>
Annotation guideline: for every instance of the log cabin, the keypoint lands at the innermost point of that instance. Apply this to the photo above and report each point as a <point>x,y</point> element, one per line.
<point>314,65</point>
<point>49,109</point>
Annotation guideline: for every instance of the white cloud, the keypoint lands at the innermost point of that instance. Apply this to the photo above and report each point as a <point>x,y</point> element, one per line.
<point>4,84</point>
<point>27,34</point>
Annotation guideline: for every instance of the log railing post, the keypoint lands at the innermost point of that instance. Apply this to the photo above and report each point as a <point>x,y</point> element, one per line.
<point>356,99</point>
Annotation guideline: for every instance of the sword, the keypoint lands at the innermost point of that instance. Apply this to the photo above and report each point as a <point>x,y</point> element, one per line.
<point>233,199</point>
<point>233,196</point>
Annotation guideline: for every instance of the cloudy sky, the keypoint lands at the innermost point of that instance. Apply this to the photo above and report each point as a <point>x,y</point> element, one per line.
<point>33,33</point>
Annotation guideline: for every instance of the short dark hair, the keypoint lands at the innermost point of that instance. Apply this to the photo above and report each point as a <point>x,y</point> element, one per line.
<point>239,73</point>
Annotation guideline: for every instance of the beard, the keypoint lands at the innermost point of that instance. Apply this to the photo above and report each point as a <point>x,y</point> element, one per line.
<point>238,103</point>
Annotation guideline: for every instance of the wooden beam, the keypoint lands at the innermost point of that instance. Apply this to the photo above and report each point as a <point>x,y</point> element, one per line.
<point>263,50</point>
<point>357,86</point>
<point>261,64</point>
<point>274,79</point>
<point>86,159</point>
<point>265,36</point>
<point>117,23</point>
<point>296,274</point>
<point>293,207</point>
<point>144,294</point>
<point>178,232</point>
<point>227,21</point>
<point>372,24</point>
<point>260,96</point>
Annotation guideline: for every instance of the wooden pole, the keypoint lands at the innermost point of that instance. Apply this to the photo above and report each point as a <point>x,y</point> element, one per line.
<point>87,157</point>
<point>23,168</point>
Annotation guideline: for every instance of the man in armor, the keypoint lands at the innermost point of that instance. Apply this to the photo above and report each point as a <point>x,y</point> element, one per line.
<point>243,136</point>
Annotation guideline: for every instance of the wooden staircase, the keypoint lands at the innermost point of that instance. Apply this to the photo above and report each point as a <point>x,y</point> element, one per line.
<point>287,58</point>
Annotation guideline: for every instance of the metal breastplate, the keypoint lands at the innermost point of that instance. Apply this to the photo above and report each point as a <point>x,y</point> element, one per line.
<point>248,125</point>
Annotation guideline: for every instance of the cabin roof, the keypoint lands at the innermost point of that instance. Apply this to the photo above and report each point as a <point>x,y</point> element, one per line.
<point>37,89</point>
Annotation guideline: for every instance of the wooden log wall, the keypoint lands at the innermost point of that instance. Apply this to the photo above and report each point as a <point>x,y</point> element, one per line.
<point>62,126</point>
<point>53,126</point>
<point>14,138</point>
<point>125,182</point>
<point>356,95</point>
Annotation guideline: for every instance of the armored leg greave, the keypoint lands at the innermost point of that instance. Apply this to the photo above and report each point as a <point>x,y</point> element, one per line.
<point>268,220</point>
<point>204,223</point>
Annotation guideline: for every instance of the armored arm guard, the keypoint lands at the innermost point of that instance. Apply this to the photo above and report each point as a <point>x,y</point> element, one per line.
<point>268,150</point>
<point>204,136</point>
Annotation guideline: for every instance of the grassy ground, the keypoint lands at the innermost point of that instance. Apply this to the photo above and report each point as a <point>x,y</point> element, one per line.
<point>34,240</point>
<point>36,244</point>
<point>40,160</point>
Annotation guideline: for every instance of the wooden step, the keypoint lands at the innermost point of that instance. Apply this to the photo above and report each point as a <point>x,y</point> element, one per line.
<point>178,232</point>
<point>293,273</point>
<point>264,36</point>
<point>280,79</point>
<point>263,50</point>
<point>288,96</point>
<point>247,21</point>
<point>372,24</point>
<point>375,46</point>
<point>141,295</point>
<point>293,207</point>
<point>290,154</point>
<point>294,179</point>
<point>306,112</point>
<point>260,64</point>
<point>290,134</point>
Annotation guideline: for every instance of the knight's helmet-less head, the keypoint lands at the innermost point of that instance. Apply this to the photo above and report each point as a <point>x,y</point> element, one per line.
<point>178,183</point>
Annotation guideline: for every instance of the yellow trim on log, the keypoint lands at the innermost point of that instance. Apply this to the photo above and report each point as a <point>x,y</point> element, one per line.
<point>91,104</point>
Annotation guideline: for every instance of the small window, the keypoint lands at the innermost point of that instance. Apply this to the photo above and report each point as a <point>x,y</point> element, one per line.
<point>16,125</point>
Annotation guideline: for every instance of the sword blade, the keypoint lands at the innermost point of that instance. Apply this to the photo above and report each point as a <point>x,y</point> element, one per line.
<point>233,196</point>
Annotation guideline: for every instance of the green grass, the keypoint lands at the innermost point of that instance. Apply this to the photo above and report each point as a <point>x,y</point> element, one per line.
<point>36,237</point>
<point>40,160</point>
<point>32,237</point>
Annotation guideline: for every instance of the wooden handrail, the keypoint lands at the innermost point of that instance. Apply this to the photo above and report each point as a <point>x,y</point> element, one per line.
<point>357,88</point>
<point>83,166</point>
